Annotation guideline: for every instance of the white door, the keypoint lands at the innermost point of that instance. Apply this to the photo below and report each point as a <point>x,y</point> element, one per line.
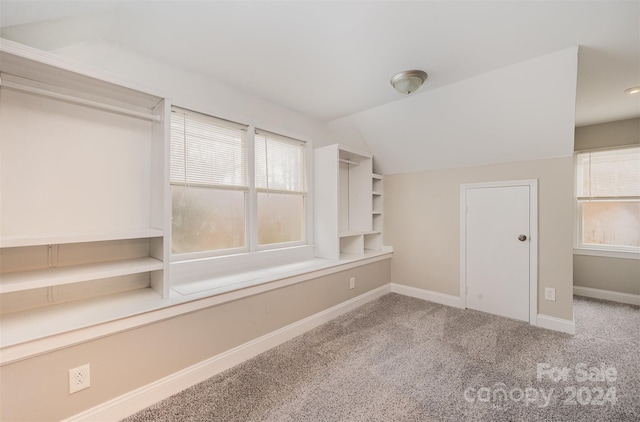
<point>497,250</point>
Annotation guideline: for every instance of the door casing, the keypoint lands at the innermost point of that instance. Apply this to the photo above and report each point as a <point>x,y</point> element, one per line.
<point>533,239</point>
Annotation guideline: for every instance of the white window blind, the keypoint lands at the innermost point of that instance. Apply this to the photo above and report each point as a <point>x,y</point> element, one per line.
<point>608,175</point>
<point>206,151</point>
<point>279,163</point>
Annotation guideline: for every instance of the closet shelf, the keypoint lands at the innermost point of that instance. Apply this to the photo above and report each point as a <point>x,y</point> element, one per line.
<point>357,233</point>
<point>21,241</point>
<point>25,280</point>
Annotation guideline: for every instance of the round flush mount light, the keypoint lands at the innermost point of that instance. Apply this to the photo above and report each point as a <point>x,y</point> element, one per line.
<point>408,81</point>
<point>632,90</point>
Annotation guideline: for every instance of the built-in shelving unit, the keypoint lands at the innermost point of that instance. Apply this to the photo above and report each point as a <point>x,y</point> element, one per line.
<point>87,218</point>
<point>373,241</point>
<point>348,204</point>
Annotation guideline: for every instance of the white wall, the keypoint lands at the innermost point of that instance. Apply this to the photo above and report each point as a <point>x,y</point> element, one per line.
<point>203,94</point>
<point>525,111</point>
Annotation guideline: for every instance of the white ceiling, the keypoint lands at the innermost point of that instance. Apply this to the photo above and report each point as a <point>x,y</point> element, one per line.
<point>334,59</point>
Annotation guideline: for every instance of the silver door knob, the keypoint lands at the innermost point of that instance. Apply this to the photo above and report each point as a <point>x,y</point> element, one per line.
<point>522,238</point>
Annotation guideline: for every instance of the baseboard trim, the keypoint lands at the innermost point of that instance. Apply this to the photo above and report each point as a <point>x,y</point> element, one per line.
<point>431,296</point>
<point>627,298</point>
<point>136,400</point>
<point>556,324</point>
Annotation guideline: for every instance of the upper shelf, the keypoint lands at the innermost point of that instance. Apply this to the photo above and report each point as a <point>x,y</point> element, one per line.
<point>20,241</point>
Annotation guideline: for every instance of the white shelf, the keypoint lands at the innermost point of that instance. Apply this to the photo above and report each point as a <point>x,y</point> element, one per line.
<point>377,193</point>
<point>21,241</point>
<point>352,233</point>
<point>376,176</point>
<point>13,282</point>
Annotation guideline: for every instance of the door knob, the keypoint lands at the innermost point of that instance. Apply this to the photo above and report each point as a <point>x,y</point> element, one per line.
<point>522,238</point>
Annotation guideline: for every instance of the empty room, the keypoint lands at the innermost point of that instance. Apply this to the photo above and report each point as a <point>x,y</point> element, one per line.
<point>319,210</point>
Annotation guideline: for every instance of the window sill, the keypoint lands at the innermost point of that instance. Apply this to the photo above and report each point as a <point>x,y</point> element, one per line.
<point>606,253</point>
<point>24,335</point>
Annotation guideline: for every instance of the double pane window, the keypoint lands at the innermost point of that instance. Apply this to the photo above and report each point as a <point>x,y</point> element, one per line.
<point>214,200</point>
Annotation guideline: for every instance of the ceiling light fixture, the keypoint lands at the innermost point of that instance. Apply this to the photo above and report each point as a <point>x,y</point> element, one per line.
<point>632,90</point>
<point>408,81</point>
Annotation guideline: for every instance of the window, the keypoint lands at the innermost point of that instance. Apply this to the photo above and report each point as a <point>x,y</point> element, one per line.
<point>217,208</point>
<point>209,183</point>
<point>608,194</point>
<point>281,188</point>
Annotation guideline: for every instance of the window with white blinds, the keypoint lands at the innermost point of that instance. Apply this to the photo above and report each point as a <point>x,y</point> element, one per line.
<point>206,151</point>
<point>280,179</point>
<point>608,195</point>
<point>216,208</point>
<point>612,175</point>
<point>280,163</point>
<point>209,184</point>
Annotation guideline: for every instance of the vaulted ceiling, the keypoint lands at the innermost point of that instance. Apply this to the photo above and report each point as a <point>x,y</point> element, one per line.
<point>333,61</point>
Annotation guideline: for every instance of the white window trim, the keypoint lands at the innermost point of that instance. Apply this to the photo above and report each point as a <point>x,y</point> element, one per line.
<point>587,249</point>
<point>605,252</point>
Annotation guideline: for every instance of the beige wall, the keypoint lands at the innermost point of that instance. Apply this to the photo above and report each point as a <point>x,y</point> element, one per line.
<point>36,389</point>
<point>422,223</point>
<point>599,272</point>
<point>618,275</point>
<point>605,135</point>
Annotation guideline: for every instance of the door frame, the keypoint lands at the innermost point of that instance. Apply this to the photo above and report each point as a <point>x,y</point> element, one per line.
<point>533,239</point>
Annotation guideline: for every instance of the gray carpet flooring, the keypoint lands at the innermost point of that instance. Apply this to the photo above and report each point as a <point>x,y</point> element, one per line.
<point>405,359</point>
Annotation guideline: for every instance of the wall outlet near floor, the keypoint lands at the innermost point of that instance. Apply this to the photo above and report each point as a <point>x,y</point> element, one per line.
<point>79,378</point>
<point>352,283</point>
<point>550,294</point>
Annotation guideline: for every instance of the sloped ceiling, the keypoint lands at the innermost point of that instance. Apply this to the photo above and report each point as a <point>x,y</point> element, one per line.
<point>519,112</point>
<point>333,60</point>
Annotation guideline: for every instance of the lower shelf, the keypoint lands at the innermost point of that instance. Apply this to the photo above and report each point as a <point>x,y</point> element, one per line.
<point>25,280</point>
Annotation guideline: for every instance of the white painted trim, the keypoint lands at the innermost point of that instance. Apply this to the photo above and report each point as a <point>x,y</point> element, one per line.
<point>606,253</point>
<point>136,400</point>
<point>533,239</point>
<point>620,297</point>
<point>556,324</point>
<point>47,58</point>
<point>431,296</point>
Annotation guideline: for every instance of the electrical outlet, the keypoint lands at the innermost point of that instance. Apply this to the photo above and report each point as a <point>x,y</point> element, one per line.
<point>352,283</point>
<point>79,378</point>
<point>550,294</point>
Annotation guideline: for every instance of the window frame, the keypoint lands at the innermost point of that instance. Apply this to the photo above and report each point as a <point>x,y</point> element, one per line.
<point>221,187</point>
<point>241,258</point>
<point>305,195</point>
<point>589,249</point>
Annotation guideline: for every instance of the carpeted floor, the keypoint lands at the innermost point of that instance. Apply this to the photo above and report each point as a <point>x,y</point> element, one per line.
<point>405,359</point>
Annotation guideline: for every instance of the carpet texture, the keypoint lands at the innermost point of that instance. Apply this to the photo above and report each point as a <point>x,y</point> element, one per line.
<point>404,359</point>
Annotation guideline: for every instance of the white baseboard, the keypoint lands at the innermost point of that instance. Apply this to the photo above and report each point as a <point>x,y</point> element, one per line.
<point>145,396</point>
<point>441,298</point>
<point>556,324</point>
<point>627,298</point>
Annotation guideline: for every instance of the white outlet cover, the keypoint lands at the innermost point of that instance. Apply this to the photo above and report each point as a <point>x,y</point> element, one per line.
<point>79,378</point>
<point>550,294</point>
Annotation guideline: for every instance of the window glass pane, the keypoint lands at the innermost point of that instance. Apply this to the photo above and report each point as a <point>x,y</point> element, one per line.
<point>207,151</point>
<point>280,218</point>
<point>611,223</point>
<point>206,219</point>
<point>280,163</point>
<point>609,173</point>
